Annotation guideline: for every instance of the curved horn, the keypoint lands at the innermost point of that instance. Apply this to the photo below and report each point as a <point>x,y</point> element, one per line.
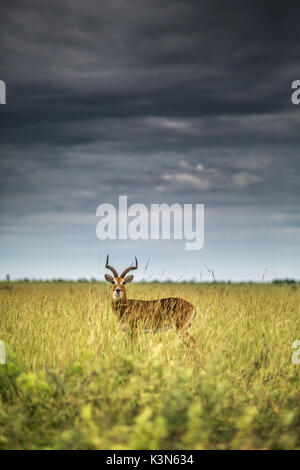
<point>129,269</point>
<point>111,268</point>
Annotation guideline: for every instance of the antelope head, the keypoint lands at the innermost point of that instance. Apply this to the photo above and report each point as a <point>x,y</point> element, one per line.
<point>118,282</point>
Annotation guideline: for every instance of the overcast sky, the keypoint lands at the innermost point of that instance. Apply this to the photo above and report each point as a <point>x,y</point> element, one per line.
<point>163,101</point>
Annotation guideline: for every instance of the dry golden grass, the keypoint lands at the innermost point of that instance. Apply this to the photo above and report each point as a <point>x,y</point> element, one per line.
<point>73,379</point>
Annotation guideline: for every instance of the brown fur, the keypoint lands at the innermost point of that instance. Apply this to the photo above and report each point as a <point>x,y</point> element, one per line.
<point>151,315</point>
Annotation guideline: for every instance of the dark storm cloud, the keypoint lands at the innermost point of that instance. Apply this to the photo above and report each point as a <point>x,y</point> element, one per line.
<point>158,99</point>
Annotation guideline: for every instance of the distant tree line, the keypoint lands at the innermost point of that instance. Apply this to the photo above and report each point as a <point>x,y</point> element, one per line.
<point>279,282</point>
<point>284,281</point>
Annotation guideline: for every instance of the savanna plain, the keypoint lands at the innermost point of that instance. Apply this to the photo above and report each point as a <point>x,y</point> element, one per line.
<point>74,380</point>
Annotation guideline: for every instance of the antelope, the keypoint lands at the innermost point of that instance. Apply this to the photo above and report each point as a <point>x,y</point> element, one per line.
<point>148,315</point>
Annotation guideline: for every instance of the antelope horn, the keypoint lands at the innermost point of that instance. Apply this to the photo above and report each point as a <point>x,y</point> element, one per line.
<point>129,269</point>
<point>111,268</point>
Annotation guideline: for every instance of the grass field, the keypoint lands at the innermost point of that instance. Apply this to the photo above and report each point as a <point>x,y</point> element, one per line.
<point>74,380</point>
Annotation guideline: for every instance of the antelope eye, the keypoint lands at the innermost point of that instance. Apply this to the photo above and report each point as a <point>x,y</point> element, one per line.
<point>114,282</point>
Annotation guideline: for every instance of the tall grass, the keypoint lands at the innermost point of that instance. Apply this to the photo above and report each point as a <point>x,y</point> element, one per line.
<point>74,380</point>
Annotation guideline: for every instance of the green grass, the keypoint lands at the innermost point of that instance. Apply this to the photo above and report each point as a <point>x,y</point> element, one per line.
<point>74,380</point>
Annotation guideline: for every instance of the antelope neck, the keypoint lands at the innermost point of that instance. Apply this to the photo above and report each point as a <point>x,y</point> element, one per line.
<point>122,301</point>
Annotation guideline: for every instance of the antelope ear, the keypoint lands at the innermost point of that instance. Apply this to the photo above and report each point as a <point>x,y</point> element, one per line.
<point>128,279</point>
<point>109,278</point>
